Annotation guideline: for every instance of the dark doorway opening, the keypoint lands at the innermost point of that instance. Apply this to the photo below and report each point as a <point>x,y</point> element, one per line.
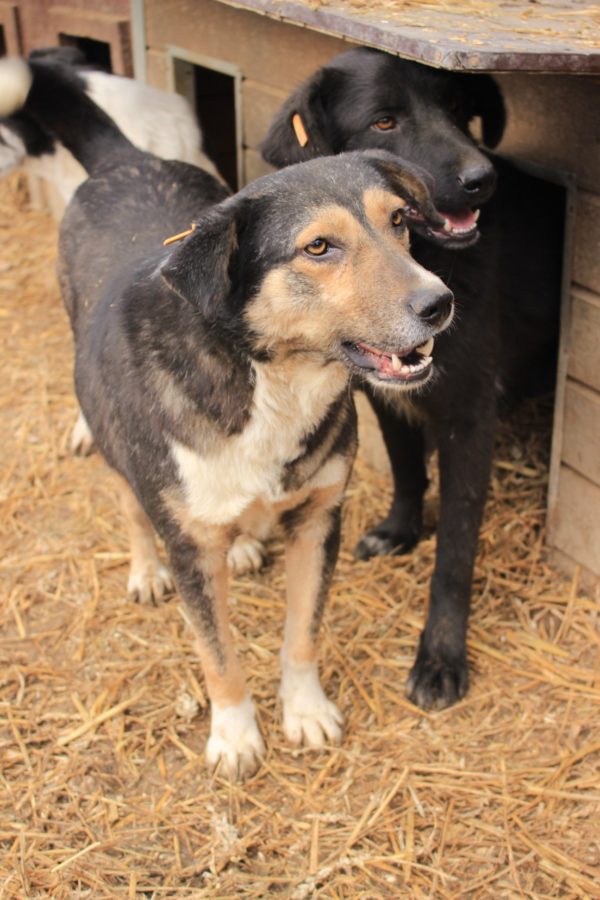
<point>2,42</point>
<point>97,53</point>
<point>212,96</point>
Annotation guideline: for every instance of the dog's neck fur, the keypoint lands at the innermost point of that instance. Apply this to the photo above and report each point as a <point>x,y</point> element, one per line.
<point>291,398</point>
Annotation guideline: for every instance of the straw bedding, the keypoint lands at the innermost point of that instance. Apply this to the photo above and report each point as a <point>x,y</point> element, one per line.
<point>103,792</point>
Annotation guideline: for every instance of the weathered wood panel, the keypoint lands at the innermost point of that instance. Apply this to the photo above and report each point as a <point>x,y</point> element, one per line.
<point>558,36</point>
<point>90,23</point>
<point>10,29</point>
<point>586,257</point>
<point>573,528</point>
<point>254,165</point>
<point>157,74</point>
<point>267,51</point>
<point>39,30</point>
<point>581,439</point>
<point>584,339</point>
<point>259,104</point>
<point>551,121</point>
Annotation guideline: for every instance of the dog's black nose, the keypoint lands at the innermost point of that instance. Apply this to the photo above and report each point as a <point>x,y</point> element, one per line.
<point>477,179</point>
<point>432,306</point>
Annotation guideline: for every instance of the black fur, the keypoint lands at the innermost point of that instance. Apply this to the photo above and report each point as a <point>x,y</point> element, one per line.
<point>507,289</point>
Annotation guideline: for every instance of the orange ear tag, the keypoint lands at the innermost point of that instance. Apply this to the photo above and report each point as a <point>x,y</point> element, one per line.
<point>299,130</point>
<point>179,237</point>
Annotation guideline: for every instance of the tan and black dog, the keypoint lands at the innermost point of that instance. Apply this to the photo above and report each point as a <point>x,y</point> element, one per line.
<point>214,372</point>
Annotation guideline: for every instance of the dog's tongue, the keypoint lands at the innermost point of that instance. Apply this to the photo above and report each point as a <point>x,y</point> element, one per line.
<point>462,220</point>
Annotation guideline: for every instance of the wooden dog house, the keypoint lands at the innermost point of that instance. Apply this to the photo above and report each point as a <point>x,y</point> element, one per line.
<point>102,29</point>
<point>237,60</point>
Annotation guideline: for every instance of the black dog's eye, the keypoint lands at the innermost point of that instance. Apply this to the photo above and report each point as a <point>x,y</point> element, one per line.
<point>385,123</point>
<point>318,247</point>
<point>397,220</point>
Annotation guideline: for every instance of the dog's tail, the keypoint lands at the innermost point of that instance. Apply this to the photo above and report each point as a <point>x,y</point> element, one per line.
<point>54,96</point>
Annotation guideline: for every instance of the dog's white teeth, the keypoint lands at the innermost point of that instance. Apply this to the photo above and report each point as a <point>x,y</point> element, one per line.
<point>426,348</point>
<point>447,226</point>
<point>396,364</point>
<point>476,214</point>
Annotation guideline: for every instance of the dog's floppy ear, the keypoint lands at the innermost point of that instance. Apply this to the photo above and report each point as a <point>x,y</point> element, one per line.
<point>197,269</point>
<point>299,130</point>
<point>410,183</point>
<point>487,102</point>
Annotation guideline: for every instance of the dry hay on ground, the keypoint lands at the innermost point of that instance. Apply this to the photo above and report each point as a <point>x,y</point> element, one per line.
<point>103,789</point>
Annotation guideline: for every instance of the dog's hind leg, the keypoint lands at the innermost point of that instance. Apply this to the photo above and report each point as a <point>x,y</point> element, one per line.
<point>148,580</point>
<point>247,553</point>
<point>82,440</point>
<point>405,444</point>
<point>311,551</point>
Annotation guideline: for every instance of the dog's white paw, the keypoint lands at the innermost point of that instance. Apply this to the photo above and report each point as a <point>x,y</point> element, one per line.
<point>149,582</point>
<point>246,555</point>
<point>235,746</point>
<point>82,441</point>
<point>308,716</point>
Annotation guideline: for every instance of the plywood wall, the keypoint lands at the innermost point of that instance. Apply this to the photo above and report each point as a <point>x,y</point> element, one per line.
<point>553,120</point>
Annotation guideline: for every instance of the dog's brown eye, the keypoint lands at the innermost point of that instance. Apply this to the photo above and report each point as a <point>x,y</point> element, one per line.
<point>398,221</point>
<point>385,123</point>
<point>317,247</point>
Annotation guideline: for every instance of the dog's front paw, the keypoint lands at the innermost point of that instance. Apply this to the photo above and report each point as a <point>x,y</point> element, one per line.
<point>149,583</point>
<point>246,555</point>
<point>386,539</point>
<point>235,746</point>
<point>82,441</point>
<point>308,716</point>
<point>437,680</point>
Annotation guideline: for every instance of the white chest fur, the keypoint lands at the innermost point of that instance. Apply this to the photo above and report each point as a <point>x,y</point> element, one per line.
<point>289,402</point>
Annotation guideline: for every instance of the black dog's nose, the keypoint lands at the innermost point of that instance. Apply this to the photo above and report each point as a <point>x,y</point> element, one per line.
<point>477,179</point>
<point>432,306</point>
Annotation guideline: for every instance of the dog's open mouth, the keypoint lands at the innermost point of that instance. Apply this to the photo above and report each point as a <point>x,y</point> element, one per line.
<point>459,228</point>
<point>401,367</point>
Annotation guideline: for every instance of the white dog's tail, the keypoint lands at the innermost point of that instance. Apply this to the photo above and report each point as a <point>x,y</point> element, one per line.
<point>54,96</point>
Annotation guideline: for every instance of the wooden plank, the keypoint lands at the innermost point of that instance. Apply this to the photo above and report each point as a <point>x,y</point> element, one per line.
<point>100,26</point>
<point>549,122</point>
<point>581,438</point>
<point>9,23</point>
<point>574,527</point>
<point>267,52</point>
<point>586,258</point>
<point>259,104</point>
<point>255,166</point>
<point>157,74</point>
<point>586,579</point>
<point>584,339</point>
<point>552,37</point>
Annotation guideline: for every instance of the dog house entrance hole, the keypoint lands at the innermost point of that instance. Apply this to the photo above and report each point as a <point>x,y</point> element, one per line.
<point>212,94</point>
<point>2,42</point>
<point>97,53</point>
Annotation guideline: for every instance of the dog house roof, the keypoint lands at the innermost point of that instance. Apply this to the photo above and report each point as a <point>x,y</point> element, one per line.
<point>490,35</point>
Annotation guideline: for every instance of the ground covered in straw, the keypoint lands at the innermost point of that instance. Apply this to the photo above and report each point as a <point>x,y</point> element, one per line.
<point>103,792</point>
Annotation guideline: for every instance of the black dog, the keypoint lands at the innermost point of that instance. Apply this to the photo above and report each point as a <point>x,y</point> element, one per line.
<point>214,372</point>
<point>507,289</point>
